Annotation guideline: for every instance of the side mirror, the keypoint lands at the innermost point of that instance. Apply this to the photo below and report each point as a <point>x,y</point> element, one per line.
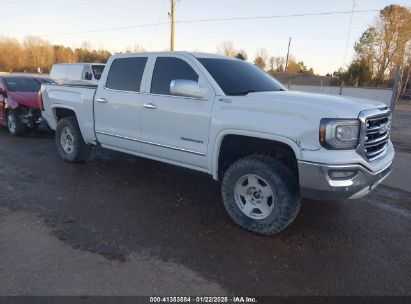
<point>188,88</point>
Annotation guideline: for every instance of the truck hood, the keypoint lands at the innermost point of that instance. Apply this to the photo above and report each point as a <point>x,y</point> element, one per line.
<point>28,99</point>
<point>335,106</point>
<point>289,114</point>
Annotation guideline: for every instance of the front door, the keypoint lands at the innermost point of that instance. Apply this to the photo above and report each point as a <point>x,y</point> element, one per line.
<point>118,104</point>
<point>175,128</point>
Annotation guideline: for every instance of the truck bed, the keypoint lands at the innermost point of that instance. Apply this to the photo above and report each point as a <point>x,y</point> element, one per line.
<point>77,98</point>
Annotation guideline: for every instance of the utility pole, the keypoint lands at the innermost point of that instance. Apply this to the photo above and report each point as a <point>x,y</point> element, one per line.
<point>173,2</point>
<point>288,54</point>
<point>394,95</point>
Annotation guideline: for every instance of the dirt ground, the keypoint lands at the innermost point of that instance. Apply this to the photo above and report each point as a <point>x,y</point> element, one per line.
<point>122,225</point>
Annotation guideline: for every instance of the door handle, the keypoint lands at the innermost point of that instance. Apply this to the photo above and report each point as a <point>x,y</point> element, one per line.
<point>150,106</point>
<point>102,100</point>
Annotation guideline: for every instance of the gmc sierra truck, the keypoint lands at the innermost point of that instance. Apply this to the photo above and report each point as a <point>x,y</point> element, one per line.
<point>268,146</point>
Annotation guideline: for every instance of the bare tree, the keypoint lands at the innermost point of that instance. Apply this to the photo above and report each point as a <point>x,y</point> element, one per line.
<point>262,55</point>
<point>41,52</point>
<point>86,45</point>
<point>385,45</point>
<point>137,48</point>
<point>35,53</point>
<point>276,63</point>
<point>227,48</point>
<point>279,63</point>
<point>63,54</point>
<point>259,61</point>
<point>271,63</point>
<point>242,55</point>
<point>406,70</point>
<point>11,55</point>
<point>365,48</point>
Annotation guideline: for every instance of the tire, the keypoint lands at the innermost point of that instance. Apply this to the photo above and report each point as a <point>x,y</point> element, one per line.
<point>70,143</point>
<point>14,125</point>
<point>269,176</point>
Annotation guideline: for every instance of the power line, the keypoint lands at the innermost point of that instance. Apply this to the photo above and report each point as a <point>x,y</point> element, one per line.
<point>212,20</point>
<point>348,33</point>
<point>54,9</point>
<point>279,16</point>
<point>109,29</point>
<point>158,23</point>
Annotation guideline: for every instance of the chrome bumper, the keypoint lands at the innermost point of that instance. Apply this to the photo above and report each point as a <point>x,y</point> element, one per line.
<point>322,181</point>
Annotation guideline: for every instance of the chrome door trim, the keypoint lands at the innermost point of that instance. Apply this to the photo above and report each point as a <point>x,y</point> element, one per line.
<point>122,91</point>
<point>101,100</point>
<point>150,105</point>
<point>151,143</point>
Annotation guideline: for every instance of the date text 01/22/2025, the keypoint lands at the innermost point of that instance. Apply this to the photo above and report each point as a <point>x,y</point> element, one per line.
<point>203,299</point>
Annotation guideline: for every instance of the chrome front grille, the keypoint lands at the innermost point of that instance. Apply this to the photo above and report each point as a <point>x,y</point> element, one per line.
<point>376,126</point>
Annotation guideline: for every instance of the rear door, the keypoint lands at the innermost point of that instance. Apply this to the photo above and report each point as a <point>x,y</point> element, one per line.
<point>118,104</point>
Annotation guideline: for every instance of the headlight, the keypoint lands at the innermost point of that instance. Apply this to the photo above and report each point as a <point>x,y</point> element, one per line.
<point>340,134</point>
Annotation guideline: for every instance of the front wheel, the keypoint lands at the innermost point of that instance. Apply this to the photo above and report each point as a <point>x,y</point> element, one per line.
<point>261,194</point>
<point>70,143</point>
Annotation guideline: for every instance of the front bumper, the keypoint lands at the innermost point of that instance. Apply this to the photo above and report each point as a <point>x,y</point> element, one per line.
<point>317,180</point>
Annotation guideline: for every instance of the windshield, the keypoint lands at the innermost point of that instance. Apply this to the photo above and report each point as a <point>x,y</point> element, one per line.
<point>20,84</point>
<point>97,71</point>
<point>236,77</point>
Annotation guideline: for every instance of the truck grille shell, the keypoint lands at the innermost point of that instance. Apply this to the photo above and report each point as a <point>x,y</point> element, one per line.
<point>374,133</point>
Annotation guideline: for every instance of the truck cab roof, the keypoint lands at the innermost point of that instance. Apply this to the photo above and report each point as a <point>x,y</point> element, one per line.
<point>195,54</point>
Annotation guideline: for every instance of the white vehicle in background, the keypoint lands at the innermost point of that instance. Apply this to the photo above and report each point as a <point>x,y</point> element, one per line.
<point>77,73</point>
<point>223,116</point>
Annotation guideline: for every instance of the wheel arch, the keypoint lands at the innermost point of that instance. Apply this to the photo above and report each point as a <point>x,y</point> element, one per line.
<point>286,142</point>
<point>62,111</point>
<point>10,104</point>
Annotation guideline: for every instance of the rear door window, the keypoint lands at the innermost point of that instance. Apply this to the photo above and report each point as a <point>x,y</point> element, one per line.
<point>126,74</point>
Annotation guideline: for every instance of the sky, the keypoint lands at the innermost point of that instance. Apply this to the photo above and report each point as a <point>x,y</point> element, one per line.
<point>319,41</point>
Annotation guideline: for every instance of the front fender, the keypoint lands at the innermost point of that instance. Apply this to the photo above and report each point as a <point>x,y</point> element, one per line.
<point>274,137</point>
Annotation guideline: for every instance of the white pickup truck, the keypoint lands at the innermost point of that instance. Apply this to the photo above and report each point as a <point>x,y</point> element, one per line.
<point>226,117</point>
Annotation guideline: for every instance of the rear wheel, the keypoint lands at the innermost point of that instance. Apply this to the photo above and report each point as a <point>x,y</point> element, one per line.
<point>261,194</point>
<point>70,142</point>
<point>15,126</point>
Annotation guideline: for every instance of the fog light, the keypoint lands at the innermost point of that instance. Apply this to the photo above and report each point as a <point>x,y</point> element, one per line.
<point>342,174</point>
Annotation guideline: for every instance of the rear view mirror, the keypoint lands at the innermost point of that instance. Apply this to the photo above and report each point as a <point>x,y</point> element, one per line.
<point>188,88</point>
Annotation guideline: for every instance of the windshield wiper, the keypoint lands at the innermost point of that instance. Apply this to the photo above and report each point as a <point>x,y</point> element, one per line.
<point>251,91</point>
<point>241,93</point>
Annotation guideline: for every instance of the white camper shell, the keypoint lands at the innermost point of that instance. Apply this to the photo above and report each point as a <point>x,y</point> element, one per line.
<point>77,73</point>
